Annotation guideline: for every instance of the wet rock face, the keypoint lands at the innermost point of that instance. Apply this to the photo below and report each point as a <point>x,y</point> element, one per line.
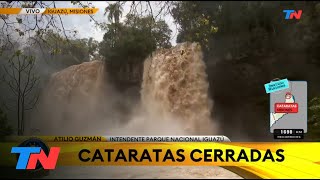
<point>241,104</point>
<point>125,76</point>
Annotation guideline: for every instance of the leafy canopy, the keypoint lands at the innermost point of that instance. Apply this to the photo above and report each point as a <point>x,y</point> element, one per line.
<point>134,39</point>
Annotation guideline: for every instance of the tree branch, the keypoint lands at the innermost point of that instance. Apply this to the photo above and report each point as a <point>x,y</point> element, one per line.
<point>34,82</point>
<point>12,76</point>
<point>36,98</point>
<point>14,90</point>
<point>28,80</point>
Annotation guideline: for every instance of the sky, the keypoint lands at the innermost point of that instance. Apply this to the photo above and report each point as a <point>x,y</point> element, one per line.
<point>82,23</point>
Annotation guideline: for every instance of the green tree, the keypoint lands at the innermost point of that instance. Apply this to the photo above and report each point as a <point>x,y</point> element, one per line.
<point>26,26</point>
<point>196,24</point>
<point>115,12</point>
<point>22,82</point>
<point>250,44</point>
<point>244,29</point>
<point>135,39</point>
<point>93,47</point>
<point>57,52</point>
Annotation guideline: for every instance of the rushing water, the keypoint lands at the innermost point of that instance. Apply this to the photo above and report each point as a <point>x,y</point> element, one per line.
<point>174,101</point>
<point>175,84</point>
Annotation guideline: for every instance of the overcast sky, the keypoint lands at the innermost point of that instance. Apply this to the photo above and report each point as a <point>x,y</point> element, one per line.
<point>87,29</point>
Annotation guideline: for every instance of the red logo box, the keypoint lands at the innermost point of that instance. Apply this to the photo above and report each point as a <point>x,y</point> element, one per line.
<point>286,107</point>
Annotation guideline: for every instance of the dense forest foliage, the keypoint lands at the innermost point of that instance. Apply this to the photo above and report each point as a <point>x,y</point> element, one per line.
<point>125,45</point>
<point>246,44</point>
